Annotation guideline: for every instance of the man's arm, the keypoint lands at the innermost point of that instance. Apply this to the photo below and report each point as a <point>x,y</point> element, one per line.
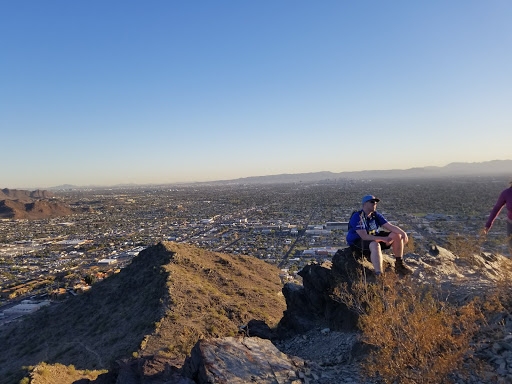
<point>393,228</point>
<point>365,236</point>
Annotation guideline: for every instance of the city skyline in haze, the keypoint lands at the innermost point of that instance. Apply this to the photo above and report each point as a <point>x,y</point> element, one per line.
<point>119,92</point>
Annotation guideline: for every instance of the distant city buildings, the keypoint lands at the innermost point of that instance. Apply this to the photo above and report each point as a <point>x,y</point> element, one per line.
<point>287,225</point>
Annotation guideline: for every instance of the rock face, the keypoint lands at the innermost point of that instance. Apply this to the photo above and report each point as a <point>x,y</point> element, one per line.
<point>312,305</point>
<point>241,360</point>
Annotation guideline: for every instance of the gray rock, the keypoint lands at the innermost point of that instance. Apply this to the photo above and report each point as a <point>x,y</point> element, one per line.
<point>239,360</point>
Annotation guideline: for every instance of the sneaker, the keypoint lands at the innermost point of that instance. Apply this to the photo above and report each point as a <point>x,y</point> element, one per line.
<point>401,268</point>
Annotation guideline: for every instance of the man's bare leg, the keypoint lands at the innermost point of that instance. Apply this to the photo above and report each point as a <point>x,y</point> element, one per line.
<point>376,257</point>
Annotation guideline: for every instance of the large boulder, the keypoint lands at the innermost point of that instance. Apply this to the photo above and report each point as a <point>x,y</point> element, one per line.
<point>312,304</point>
<point>241,360</point>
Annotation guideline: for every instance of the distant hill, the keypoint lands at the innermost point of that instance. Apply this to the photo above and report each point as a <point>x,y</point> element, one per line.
<point>162,303</point>
<point>22,195</point>
<point>488,168</point>
<point>38,209</point>
<point>38,204</point>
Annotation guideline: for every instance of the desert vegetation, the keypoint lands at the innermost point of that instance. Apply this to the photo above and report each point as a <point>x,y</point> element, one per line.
<point>413,335</point>
<point>57,373</point>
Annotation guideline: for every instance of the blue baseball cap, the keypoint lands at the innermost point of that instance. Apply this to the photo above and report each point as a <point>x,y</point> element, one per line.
<point>370,197</point>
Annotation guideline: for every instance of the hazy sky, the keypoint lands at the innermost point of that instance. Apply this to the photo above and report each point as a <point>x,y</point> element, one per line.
<point>107,92</point>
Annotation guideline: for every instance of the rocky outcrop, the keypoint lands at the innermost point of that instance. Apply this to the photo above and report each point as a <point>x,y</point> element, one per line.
<point>241,360</point>
<point>311,304</point>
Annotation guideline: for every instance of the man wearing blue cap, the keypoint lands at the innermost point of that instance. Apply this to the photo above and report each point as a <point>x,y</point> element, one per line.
<point>365,236</point>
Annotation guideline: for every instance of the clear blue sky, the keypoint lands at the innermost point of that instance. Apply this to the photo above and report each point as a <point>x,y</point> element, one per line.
<point>107,92</point>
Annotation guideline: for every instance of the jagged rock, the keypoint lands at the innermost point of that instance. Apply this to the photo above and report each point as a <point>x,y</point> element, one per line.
<point>312,304</point>
<point>346,265</point>
<point>317,280</point>
<point>258,328</point>
<point>240,360</point>
<point>298,317</point>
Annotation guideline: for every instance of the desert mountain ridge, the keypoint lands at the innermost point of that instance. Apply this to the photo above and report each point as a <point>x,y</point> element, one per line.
<point>139,325</point>
<point>488,168</point>
<point>31,205</point>
<point>457,169</point>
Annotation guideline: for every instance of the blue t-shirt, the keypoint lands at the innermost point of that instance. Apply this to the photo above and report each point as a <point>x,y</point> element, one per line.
<point>359,221</point>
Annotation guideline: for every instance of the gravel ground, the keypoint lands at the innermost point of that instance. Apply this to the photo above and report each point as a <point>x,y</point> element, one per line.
<point>330,356</point>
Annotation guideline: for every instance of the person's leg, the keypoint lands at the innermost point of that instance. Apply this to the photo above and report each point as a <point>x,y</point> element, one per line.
<point>376,257</point>
<point>397,244</point>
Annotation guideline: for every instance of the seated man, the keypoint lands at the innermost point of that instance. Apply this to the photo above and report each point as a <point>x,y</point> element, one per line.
<point>364,235</point>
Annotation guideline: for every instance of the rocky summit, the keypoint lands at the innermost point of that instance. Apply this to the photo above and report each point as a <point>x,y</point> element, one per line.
<point>316,339</point>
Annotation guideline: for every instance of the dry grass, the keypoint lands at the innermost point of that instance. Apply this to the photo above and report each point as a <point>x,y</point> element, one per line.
<point>60,374</point>
<point>415,337</point>
<point>465,247</point>
<point>411,246</point>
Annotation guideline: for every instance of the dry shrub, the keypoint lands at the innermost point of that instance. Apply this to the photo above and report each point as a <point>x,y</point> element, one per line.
<point>416,337</point>
<point>465,247</point>
<point>503,291</point>
<point>411,246</point>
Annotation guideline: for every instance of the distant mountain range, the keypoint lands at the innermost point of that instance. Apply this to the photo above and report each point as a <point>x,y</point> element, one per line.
<point>488,168</point>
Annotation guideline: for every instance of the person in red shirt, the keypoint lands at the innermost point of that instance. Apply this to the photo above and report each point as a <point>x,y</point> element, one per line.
<point>505,198</point>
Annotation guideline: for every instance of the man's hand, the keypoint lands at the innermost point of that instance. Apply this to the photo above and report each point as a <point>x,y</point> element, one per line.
<point>386,240</point>
<point>405,238</point>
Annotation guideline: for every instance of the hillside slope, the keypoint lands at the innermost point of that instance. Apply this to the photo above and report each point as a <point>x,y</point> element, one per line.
<point>31,205</point>
<point>168,296</point>
<point>37,209</point>
<point>212,294</point>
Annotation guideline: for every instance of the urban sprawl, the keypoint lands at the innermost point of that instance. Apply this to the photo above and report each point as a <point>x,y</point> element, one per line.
<point>289,225</point>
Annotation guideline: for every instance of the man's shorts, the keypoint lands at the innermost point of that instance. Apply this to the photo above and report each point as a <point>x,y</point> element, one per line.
<point>363,246</point>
